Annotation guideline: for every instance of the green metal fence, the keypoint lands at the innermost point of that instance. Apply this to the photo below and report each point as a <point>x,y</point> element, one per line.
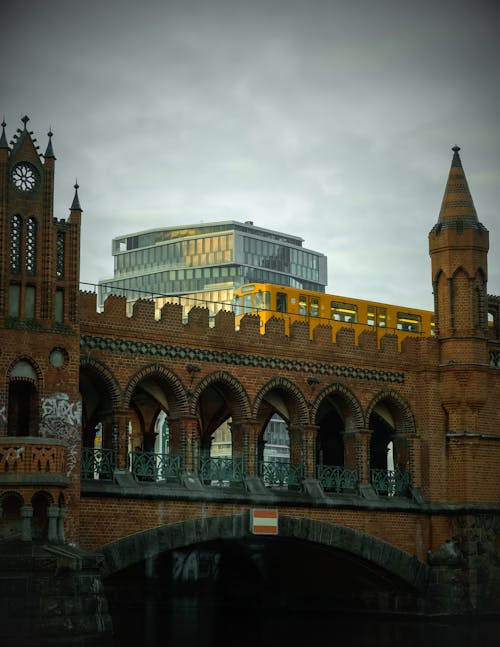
<point>390,482</point>
<point>98,463</point>
<point>334,478</point>
<point>221,471</point>
<point>151,466</point>
<point>281,475</point>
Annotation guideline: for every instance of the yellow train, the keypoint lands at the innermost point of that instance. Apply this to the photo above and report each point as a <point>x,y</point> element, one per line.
<point>317,308</point>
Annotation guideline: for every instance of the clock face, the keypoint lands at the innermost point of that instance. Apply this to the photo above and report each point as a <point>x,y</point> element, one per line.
<point>24,176</point>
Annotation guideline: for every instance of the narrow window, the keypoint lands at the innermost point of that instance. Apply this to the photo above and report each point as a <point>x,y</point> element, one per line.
<point>59,306</point>
<point>31,246</point>
<point>15,244</point>
<point>29,302</point>
<point>60,255</point>
<point>343,311</point>
<point>281,302</point>
<point>14,300</point>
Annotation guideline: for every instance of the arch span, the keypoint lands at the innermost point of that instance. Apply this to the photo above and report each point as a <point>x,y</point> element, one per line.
<point>150,543</point>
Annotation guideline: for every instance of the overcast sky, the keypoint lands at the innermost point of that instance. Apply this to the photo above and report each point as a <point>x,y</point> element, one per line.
<point>330,120</point>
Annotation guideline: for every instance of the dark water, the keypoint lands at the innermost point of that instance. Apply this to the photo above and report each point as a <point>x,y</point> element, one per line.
<point>192,620</point>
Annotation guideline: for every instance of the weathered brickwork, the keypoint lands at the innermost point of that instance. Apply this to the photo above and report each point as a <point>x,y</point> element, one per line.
<point>98,383</point>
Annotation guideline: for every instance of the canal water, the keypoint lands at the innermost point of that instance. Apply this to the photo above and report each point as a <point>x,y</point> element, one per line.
<point>199,620</point>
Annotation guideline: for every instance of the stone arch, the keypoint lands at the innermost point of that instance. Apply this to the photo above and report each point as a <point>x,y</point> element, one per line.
<point>11,503</point>
<point>150,543</point>
<point>101,394</point>
<point>164,374</point>
<point>353,405</point>
<point>289,387</point>
<point>233,385</point>
<point>106,375</point>
<point>405,419</point>
<point>24,387</point>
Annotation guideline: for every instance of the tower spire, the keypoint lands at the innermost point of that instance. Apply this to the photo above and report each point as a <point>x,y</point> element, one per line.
<point>75,206</point>
<point>49,153</point>
<point>3,138</point>
<point>457,205</point>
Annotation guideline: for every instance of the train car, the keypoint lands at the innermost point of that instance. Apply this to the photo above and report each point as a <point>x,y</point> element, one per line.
<point>317,308</point>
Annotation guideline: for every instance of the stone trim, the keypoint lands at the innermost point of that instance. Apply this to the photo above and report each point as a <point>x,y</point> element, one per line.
<point>92,342</point>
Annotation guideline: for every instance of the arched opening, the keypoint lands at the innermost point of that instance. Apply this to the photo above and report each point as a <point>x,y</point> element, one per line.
<point>40,521</point>
<point>10,516</point>
<point>23,400</point>
<point>389,452</point>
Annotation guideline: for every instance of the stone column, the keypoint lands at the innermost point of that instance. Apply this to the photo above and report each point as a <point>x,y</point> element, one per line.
<point>120,437</point>
<point>309,434</point>
<point>250,431</point>
<point>26,517</point>
<point>350,440</point>
<point>190,444</point>
<point>52,514</point>
<point>61,538</point>
<point>363,454</point>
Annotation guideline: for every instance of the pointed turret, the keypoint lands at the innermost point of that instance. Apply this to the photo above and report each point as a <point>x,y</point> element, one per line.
<point>49,152</point>
<point>75,205</point>
<point>458,245</point>
<point>3,138</point>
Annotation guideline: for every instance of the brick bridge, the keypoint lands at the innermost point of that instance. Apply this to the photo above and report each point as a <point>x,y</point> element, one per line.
<point>108,421</point>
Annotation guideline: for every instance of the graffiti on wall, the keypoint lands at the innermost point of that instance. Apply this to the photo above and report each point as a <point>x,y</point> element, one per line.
<point>61,419</point>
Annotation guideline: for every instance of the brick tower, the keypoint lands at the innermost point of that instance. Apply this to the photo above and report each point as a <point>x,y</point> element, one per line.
<point>39,352</point>
<point>458,246</point>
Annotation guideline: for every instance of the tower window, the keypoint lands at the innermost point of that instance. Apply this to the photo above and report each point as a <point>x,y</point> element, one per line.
<point>59,306</point>
<point>14,300</point>
<point>31,246</point>
<point>60,255</point>
<point>29,302</point>
<point>15,244</point>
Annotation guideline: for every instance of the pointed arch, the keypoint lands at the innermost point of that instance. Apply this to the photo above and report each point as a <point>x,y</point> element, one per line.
<point>352,408</point>
<point>233,385</point>
<point>165,376</point>
<point>285,385</point>
<point>108,378</point>
<point>401,410</point>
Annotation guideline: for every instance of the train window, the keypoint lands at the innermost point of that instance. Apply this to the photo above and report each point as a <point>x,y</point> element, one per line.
<point>247,303</point>
<point>344,311</point>
<point>302,305</point>
<point>237,305</point>
<point>433,325</point>
<point>247,288</point>
<point>314,307</point>
<point>261,300</point>
<point>377,316</point>
<point>409,322</point>
<point>281,302</point>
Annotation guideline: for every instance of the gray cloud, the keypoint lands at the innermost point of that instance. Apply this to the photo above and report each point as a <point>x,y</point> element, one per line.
<point>330,120</point>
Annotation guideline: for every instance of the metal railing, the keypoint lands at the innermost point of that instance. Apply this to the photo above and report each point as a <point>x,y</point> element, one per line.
<point>281,475</point>
<point>221,471</point>
<point>390,482</point>
<point>151,466</point>
<point>98,463</point>
<point>334,478</point>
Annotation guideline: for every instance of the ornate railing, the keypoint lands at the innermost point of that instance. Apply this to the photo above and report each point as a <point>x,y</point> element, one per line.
<point>221,471</point>
<point>98,463</point>
<point>26,455</point>
<point>149,466</point>
<point>281,474</point>
<point>390,482</point>
<point>334,478</point>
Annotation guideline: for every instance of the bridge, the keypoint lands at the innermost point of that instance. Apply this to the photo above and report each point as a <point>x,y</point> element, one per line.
<point>109,423</point>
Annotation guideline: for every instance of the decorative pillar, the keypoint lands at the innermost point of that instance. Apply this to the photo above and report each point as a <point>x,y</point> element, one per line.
<point>415,460</point>
<point>350,440</point>
<point>401,452</point>
<point>363,454</point>
<point>61,538</point>
<point>190,444</point>
<point>26,517</point>
<point>295,433</point>
<point>309,434</point>
<point>52,514</point>
<point>250,432</point>
<point>120,438</point>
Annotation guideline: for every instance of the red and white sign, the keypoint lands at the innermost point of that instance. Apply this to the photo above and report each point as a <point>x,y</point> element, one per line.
<point>264,521</point>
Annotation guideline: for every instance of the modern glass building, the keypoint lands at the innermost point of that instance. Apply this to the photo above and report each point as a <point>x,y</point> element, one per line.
<point>202,264</point>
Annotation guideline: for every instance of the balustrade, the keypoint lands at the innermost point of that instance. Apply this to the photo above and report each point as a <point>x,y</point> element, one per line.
<point>32,456</point>
<point>221,471</point>
<point>333,478</point>
<point>98,463</point>
<point>281,475</point>
<point>390,482</point>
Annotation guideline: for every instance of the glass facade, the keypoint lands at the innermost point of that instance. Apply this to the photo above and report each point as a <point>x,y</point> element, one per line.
<point>207,261</point>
